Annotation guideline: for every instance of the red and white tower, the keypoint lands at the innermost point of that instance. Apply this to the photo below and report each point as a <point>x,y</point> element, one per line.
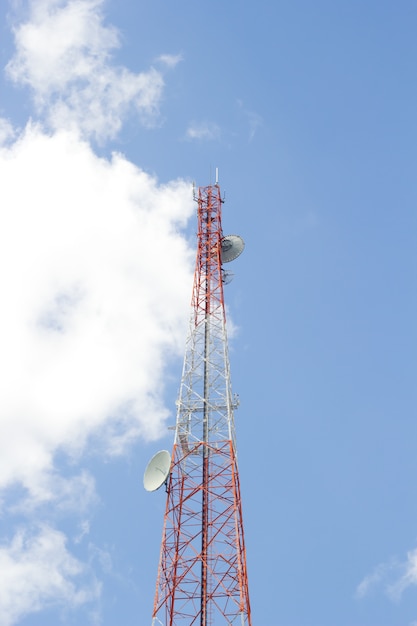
<point>202,577</point>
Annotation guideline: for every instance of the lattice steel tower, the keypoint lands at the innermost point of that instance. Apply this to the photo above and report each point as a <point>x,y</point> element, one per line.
<point>202,578</point>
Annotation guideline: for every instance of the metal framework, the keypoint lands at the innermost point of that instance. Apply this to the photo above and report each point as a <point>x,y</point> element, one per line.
<point>202,578</point>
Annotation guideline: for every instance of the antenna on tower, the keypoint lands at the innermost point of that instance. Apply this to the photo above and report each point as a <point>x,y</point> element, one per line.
<point>217,175</point>
<point>227,277</point>
<point>232,247</point>
<point>157,471</point>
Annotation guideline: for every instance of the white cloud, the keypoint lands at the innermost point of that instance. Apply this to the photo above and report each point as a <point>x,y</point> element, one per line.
<point>207,131</point>
<point>84,530</point>
<point>394,578</point>
<point>7,131</point>
<point>95,281</point>
<point>407,578</point>
<point>170,60</point>
<point>63,53</point>
<point>36,570</point>
<point>96,275</point>
<point>67,494</point>
<point>372,580</point>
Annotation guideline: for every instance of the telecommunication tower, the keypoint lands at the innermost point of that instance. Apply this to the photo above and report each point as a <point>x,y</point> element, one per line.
<point>202,577</point>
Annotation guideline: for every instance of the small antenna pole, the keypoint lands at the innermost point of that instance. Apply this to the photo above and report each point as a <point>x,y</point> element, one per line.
<point>217,175</point>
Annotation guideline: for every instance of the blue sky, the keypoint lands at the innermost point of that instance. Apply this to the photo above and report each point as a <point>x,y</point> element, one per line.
<point>108,111</point>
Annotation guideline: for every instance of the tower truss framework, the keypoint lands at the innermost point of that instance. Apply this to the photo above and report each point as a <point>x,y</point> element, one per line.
<point>202,576</point>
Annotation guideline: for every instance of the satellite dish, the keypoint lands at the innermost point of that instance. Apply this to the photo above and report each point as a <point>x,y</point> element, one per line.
<point>227,277</point>
<point>232,246</point>
<point>157,470</point>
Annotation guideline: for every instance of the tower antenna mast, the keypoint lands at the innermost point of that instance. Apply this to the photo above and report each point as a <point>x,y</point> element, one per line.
<point>202,576</point>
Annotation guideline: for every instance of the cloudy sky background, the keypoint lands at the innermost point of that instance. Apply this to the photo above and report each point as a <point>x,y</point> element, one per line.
<point>108,111</point>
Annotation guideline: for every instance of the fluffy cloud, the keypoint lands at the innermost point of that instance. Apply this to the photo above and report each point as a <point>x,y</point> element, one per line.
<point>63,53</point>
<point>96,274</point>
<point>170,60</point>
<point>407,578</point>
<point>207,131</point>
<point>394,577</point>
<point>95,280</point>
<point>372,580</point>
<point>36,570</point>
<point>7,132</point>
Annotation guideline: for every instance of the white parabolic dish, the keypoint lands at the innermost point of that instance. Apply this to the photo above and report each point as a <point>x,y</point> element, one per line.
<point>157,470</point>
<point>232,246</point>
